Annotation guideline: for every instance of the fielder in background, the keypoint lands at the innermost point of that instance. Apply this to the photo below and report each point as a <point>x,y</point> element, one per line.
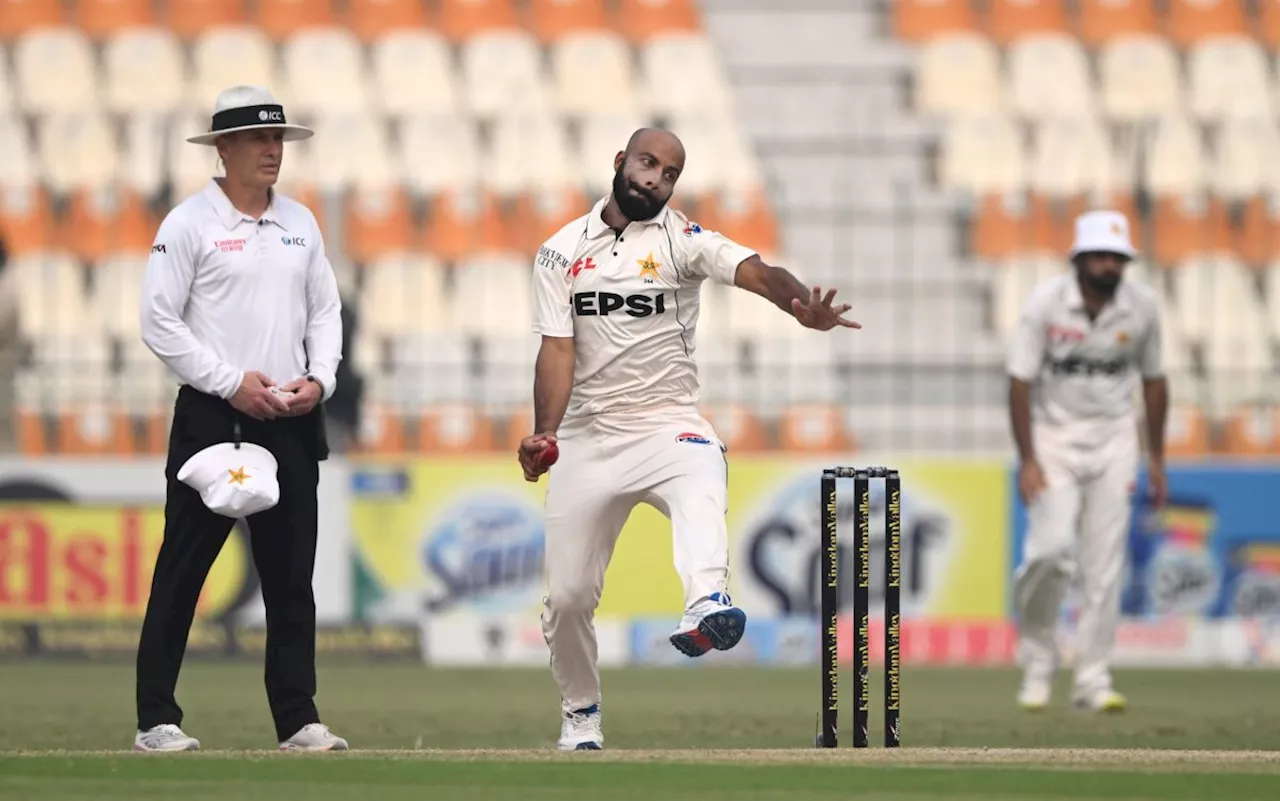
<point>615,400</point>
<point>1083,341</point>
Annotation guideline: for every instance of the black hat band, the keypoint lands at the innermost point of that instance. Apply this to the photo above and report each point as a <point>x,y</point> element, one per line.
<point>246,116</point>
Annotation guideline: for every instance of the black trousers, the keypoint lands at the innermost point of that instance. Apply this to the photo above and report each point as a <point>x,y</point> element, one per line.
<point>283,542</point>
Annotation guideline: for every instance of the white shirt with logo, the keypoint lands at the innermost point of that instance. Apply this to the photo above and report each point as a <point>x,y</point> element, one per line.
<point>225,293</point>
<point>629,300</point>
<point>1084,373</point>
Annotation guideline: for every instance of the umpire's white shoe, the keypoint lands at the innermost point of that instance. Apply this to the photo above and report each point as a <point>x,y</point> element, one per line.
<point>165,737</point>
<point>581,730</point>
<point>314,737</point>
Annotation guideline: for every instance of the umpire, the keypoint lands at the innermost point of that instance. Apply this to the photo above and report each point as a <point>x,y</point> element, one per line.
<point>240,302</point>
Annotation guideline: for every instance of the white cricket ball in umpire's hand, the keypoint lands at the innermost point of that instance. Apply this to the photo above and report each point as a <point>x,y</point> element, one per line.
<point>279,391</point>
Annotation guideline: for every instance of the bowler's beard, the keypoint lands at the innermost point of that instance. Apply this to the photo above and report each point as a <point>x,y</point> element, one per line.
<point>1104,284</point>
<point>632,207</point>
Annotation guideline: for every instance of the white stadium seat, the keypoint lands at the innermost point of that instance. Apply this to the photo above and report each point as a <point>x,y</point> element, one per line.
<point>496,291</point>
<point>117,290</point>
<point>55,71</point>
<point>8,87</point>
<point>530,153</point>
<point>1175,164</point>
<point>324,71</point>
<point>1227,77</point>
<point>683,74</point>
<point>403,294</point>
<point>1013,283</point>
<point>502,73</point>
<point>52,303</point>
<point>17,167</point>
<point>439,153</point>
<point>1049,77</point>
<point>718,155</point>
<point>414,74</point>
<point>354,149</point>
<point>77,150</point>
<point>958,74</point>
<point>146,147</point>
<point>1070,156</point>
<point>1272,282</point>
<point>1244,162</point>
<point>983,155</point>
<point>1139,77</point>
<point>144,70</point>
<point>592,74</point>
<point>191,166</point>
<point>229,56</point>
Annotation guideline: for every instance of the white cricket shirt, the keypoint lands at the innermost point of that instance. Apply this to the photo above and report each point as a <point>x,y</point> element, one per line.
<point>225,293</point>
<point>630,302</point>
<point>1083,371</point>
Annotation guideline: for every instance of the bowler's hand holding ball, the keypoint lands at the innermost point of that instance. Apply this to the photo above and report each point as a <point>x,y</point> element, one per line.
<point>537,453</point>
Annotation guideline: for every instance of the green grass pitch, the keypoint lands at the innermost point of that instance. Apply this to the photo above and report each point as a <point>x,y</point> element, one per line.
<point>735,733</point>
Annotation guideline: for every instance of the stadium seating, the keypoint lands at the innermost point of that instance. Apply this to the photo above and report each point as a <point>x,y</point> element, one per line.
<point>456,135</point>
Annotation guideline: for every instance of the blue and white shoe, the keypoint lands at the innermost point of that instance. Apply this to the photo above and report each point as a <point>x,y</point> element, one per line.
<point>713,622</point>
<point>581,730</point>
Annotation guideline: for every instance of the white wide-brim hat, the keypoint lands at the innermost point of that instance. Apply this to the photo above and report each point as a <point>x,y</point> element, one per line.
<point>243,108</point>
<point>233,480</point>
<point>1103,232</point>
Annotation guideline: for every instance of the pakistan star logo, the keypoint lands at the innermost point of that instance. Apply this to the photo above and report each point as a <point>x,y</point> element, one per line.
<point>648,269</point>
<point>238,476</point>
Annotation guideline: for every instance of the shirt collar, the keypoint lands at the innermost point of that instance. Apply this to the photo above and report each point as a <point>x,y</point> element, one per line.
<point>597,226</point>
<point>230,216</point>
<point>1074,299</point>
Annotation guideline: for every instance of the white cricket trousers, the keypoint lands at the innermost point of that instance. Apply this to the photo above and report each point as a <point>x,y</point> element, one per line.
<point>600,477</point>
<point>1081,520</point>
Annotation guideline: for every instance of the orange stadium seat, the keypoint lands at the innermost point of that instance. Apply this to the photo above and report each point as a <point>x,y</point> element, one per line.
<point>1052,223</point>
<point>279,19</point>
<point>918,20</point>
<point>1269,23</point>
<point>1001,226</point>
<point>1252,431</point>
<point>1256,239</point>
<point>101,18</point>
<point>371,19</point>
<point>462,223</point>
<point>107,220</point>
<point>518,426</point>
<point>459,19</point>
<point>90,430</point>
<point>747,218</point>
<point>379,221</point>
<point>1009,19</point>
<point>187,18</point>
<point>32,431</point>
<point>1184,225</point>
<point>1104,20</point>
<point>814,429</point>
<point>551,19</point>
<point>534,217</point>
<point>1189,433</point>
<point>640,20</point>
<point>19,16</point>
<point>1189,21</point>
<point>382,430</point>
<point>454,428</point>
<point>155,432</point>
<point>26,221</point>
<point>738,427</point>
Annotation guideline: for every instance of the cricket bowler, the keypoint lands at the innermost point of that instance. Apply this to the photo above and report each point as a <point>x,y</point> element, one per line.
<point>615,406</point>
<point>1083,341</point>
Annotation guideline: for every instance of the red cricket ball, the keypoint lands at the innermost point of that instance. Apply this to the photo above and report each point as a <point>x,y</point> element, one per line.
<point>548,456</point>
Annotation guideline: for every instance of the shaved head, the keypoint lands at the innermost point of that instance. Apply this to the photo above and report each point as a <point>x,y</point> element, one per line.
<point>645,174</point>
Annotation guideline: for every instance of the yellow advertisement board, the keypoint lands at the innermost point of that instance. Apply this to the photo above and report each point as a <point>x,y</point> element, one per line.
<point>69,561</point>
<point>434,536</point>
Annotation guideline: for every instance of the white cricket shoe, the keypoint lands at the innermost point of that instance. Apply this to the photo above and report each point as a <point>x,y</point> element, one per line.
<point>165,737</point>
<point>1035,692</point>
<point>1104,699</point>
<point>712,622</point>
<point>581,730</point>
<point>314,737</point>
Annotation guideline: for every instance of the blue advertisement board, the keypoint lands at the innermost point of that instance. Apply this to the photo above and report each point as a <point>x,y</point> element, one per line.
<point>1213,551</point>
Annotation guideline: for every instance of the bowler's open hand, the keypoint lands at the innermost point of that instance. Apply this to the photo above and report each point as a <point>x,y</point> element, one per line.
<point>819,314</point>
